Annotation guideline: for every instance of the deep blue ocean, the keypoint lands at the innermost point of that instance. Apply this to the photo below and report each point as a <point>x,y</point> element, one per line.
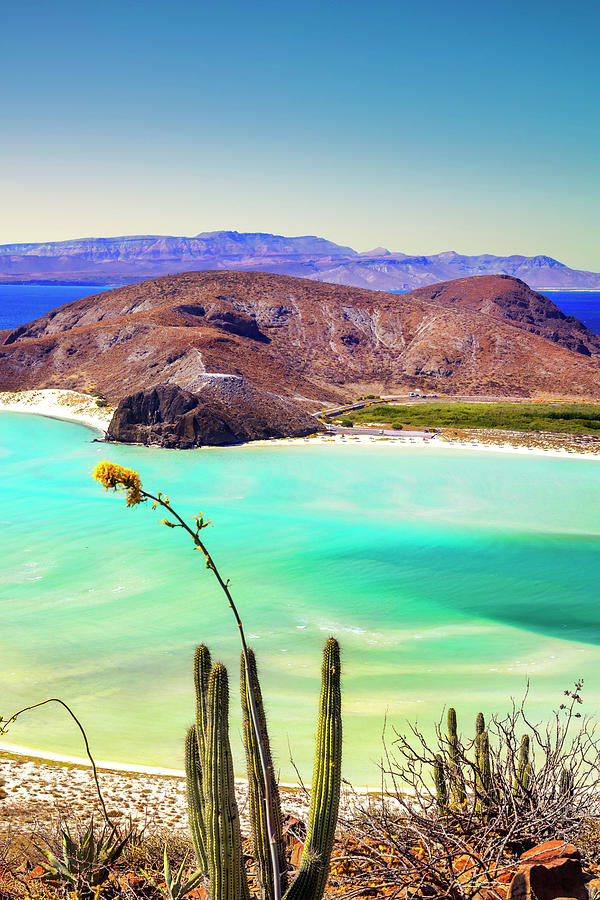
<point>20,303</point>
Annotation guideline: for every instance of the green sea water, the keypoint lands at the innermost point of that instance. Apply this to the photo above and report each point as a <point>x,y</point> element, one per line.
<point>449,577</point>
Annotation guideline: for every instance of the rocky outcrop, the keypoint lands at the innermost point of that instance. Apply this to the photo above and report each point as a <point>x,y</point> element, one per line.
<point>549,871</point>
<point>225,411</point>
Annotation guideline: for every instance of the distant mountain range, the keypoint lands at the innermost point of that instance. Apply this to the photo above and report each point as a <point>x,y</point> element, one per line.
<point>123,260</point>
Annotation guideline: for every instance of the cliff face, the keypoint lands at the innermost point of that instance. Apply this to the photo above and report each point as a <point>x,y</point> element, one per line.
<point>305,342</point>
<point>224,411</point>
<point>126,259</point>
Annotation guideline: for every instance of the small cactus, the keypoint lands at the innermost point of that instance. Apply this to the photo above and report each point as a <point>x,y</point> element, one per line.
<point>566,785</point>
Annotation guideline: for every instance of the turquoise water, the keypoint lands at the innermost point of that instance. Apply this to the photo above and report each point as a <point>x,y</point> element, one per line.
<point>449,577</point>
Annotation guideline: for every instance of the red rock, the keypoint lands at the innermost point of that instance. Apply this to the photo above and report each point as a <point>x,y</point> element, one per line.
<point>550,871</point>
<point>296,854</point>
<point>548,851</point>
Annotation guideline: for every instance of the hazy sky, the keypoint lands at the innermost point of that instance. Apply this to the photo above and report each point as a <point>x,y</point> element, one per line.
<point>418,126</point>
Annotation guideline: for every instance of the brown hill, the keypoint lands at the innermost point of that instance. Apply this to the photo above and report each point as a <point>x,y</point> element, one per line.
<point>306,341</point>
<point>510,299</point>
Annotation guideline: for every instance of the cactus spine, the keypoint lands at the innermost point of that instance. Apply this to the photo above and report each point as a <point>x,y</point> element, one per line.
<point>213,812</point>
<point>441,790</point>
<point>456,779</point>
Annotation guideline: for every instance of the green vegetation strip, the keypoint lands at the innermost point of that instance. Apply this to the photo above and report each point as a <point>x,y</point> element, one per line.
<point>568,418</point>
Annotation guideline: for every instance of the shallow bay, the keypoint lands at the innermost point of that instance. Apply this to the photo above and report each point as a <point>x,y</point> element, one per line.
<point>449,576</point>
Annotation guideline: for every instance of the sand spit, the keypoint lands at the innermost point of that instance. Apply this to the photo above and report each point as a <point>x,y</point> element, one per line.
<point>559,445</point>
<point>59,404</point>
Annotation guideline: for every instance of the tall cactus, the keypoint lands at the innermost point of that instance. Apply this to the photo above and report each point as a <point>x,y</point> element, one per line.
<point>213,813</point>
<point>441,790</point>
<point>193,777</point>
<point>256,786</point>
<point>224,842</point>
<point>313,871</point>
<point>523,773</point>
<point>483,772</point>
<point>456,778</point>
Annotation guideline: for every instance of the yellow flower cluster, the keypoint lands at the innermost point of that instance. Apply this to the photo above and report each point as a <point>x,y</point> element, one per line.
<point>111,475</point>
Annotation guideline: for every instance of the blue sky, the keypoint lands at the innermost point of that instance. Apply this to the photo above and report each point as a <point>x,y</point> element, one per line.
<point>422,128</point>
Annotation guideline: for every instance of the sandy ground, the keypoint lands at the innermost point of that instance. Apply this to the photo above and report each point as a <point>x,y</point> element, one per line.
<point>59,404</point>
<point>505,442</point>
<point>42,791</point>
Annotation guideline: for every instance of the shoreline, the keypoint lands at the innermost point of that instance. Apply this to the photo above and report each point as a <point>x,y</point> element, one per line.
<point>64,760</point>
<point>82,409</point>
<point>46,788</point>
<point>59,403</point>
<point>47,757</point>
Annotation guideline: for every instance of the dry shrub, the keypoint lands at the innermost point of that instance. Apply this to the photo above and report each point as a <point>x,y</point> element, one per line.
<point>454,814</point>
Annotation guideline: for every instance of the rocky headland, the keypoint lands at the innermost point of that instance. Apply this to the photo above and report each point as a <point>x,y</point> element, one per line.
<point>223,357</point>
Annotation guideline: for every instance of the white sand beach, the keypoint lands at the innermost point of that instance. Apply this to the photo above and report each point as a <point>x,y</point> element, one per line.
<point>59,404</point>
<point>47,788</point>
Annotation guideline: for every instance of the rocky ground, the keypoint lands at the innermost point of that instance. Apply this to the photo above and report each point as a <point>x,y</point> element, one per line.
<point>41,793</point>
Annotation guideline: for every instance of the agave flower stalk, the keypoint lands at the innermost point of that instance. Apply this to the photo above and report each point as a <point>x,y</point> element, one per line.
<point>116,477</point>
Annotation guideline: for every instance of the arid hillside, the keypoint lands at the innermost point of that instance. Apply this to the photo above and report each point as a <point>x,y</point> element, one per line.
<point>306,340</point>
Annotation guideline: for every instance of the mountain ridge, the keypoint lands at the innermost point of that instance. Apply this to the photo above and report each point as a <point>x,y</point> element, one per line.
<point>131,258</point>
